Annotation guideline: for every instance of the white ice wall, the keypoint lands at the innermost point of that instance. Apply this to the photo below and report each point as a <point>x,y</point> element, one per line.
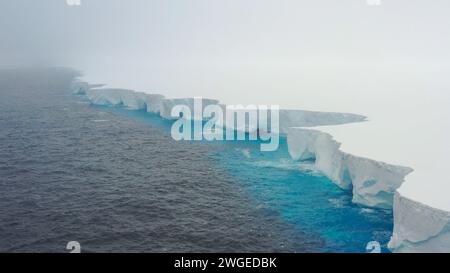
<point>419,228</point>
<point>373,183</point>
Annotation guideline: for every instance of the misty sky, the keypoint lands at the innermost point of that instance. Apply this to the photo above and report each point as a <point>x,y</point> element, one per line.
<point>314,54</point>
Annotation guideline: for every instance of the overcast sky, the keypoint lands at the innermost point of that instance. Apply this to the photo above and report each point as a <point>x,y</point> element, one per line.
<point>311,54</point>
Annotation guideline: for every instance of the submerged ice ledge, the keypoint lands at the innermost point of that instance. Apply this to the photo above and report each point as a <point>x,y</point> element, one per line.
<point>417,227</point>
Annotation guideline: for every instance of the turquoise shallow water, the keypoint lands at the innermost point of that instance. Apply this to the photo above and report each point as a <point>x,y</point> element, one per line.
<point>308,200</point>
<point>295,192</point>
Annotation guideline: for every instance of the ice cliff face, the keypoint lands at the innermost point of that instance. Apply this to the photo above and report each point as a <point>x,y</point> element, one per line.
<point>152,103</point>
<point>419,228</point>
<point>373,183</point>
<point>168,104</point>
<point>121,97</point>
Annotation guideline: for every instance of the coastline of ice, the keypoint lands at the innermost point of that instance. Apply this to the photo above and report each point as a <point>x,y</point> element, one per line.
<point>158,104</point>
<point>342,154</point>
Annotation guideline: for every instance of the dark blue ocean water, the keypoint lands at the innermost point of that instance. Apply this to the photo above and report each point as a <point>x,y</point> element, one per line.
<point>115,181</point>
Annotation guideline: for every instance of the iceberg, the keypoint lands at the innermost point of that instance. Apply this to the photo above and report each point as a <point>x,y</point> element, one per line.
<point>373,183</point>
<point>342,153</point>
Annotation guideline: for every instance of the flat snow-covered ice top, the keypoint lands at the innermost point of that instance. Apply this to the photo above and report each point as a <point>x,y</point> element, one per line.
<point>415,133</point>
